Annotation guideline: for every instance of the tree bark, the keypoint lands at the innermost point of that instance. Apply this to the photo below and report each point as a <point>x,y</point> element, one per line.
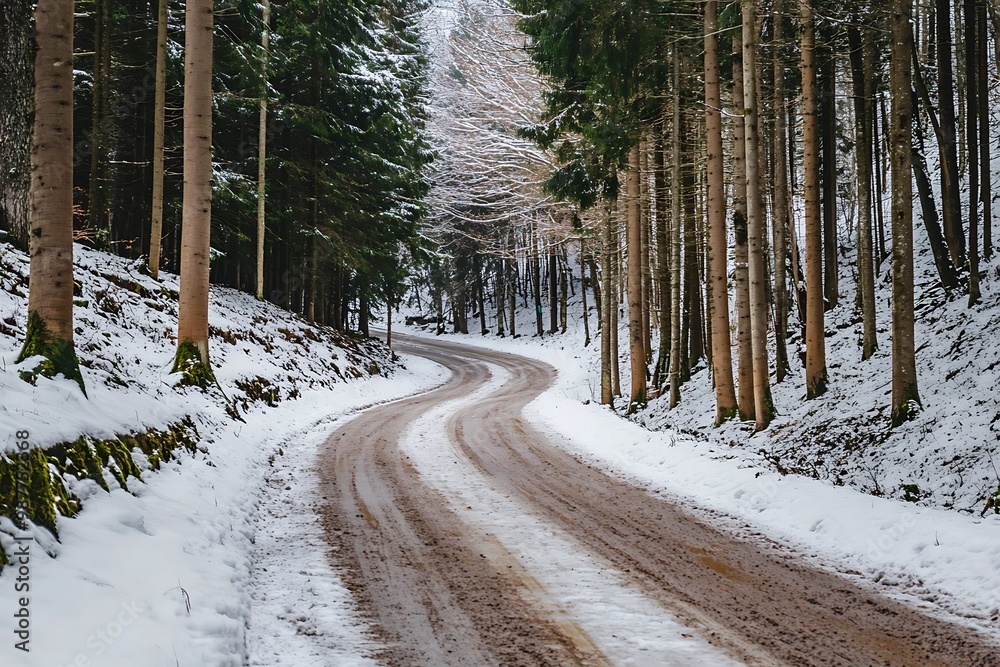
<point>675,243</point>
<point>759,306</point>
<point>862,57</point>
<point>816,377</point>
<point>50,298</point>
<point>972,144</point>
<point>633,244</point>
<point>265,40</point>
<point>744,342</point>
<point>951,197</point>
<point>159,112</point>
<point>780,214</point>
<point>985,175</point>
<point>828,122</point>
<point>905,399</point>
<point>192,320</point>
<point>608,290</point>
<point>722,361</point>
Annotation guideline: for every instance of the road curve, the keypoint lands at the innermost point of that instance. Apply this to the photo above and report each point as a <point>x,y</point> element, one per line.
<point>436,601</point>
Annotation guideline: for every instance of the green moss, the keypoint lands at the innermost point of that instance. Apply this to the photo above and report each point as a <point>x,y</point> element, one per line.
<point>725,415</point>
<point>196,372</point>
<point>3,558</point>
<point>41,498</point>
<point>59,355</point>
<point>79,459</point>
<point>908,409</point>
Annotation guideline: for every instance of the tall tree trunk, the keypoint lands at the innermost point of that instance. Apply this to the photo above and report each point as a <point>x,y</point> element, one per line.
<point>744,337</point>
<point>862,57</point>
<point>17,57</point>
<point>815,342</point>
<point>265,42</point>
<point>100,165</point>
<point>675,243</point>
<point>694,352</point>
<point>583,294</point>
<point>159,111</point>
<point>951,198</point>
<point>780,214</point>
<point>536,282</point>
<point>553,291</point>
<point>645,245</point>
<point>905,399</point>
<point>972,144</point>
<point>942,260</point>
<point>662,258</point>
<point>722,361</point>
<point>50,298</point>
<point>608,290</point>
<point>828,122</point>
<point>633,244</point>
<point>192,320</point>
<point>759,306</point>
<point>985,196</point>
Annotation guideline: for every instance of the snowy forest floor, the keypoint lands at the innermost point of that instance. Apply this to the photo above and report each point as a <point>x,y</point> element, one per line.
<point>176,569</point>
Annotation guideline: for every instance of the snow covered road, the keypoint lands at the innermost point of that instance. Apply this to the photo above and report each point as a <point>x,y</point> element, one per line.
<point>472,539</point>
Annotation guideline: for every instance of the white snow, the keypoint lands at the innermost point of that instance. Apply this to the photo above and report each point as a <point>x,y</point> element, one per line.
<point>215,542</point>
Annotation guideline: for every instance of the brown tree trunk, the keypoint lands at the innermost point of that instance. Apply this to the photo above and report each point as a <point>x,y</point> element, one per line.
<point>815,341</point>
<point>633,244</point>
<point>662,258</point>
<point>744,341</point>
<point>951,197</point>
<point>905,399</point>
<point>722,361</point>
<point>50,298</point>
<point>608,292</point>
<point>862,57</point>
<point>675,243</point>
<point>759,306</point>
<point>100,149</point>
<point>972,144</point>
<point>159,111</point>
<point>192,320</point>
<point>985,193</point>
<point>780,212</point>
<point>265,40</point>
<point>828,122</point>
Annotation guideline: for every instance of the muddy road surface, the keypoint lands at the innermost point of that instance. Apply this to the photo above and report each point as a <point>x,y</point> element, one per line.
<point>420,574</point>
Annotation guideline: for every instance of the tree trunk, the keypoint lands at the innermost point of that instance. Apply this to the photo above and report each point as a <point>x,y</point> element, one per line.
<point>951,197</point>
<point>100,177</point>
<point>985,194</point>
<point>759,307</point>
<point>17,57</point>
<point>265,40</point>
<point>862,57</point>
<point>780,208</point>
<point>662,259</point>
<point>744,342</point>
<point>972,144</point>
<point>50,298</point>
<point>633,243</point>
<point>675,243</point>
<point>608,290</point>
<point>647,276</point>
<point>553,291</point>
<point>583,295</point>
<point>905,399</point>
<point>828,122</point>
<point>815,341</point>
<point>192,320</point>
<point>159,111</point>
<point>722,362</point>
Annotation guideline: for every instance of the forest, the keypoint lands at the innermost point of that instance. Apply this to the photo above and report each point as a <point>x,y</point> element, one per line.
<point>482,332</point>
<point>705,170</point>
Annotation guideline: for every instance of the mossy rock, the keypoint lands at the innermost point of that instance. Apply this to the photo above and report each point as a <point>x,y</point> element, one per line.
<point>79,458</point>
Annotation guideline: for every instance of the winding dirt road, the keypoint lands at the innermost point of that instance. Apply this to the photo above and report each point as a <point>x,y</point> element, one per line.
<point>436,599</point>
